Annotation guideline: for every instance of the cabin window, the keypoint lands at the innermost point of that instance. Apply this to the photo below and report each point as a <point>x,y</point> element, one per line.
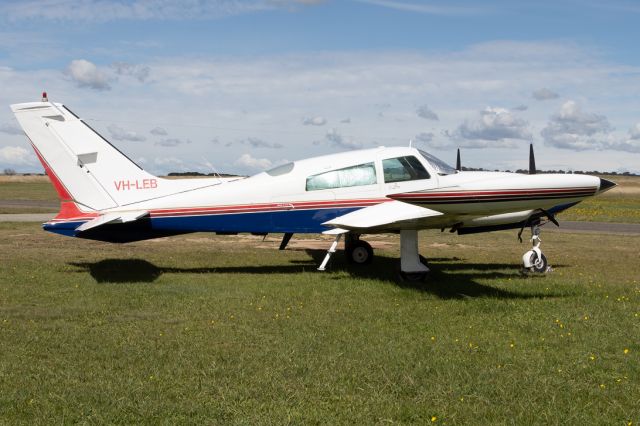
<point>402,169</point>
<point>360,175</point>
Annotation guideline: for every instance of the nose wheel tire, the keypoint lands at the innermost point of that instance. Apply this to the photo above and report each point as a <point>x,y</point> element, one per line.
<point>359,253</point>
<point>539,263</point>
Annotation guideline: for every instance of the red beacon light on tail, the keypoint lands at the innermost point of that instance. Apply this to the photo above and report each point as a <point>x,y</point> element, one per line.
<point>44,97</point>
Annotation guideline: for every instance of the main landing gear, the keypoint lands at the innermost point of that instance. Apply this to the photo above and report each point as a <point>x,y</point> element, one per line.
<point>411,267</point>
<point>359,252</point>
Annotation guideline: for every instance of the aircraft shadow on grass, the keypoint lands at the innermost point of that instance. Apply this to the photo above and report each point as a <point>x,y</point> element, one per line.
<point>450,278</point>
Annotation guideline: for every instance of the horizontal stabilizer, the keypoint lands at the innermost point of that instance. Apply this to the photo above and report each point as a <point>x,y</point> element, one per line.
<point>111,218</point>
<point>381,215</point>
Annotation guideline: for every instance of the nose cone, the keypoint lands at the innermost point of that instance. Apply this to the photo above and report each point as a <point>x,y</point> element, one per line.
<point>605,185</point>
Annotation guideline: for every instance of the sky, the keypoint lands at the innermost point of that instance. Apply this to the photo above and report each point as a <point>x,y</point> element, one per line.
<point>235,86</point>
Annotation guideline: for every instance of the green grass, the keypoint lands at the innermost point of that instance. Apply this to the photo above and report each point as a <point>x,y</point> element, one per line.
<point>205,329</point>
<point>34,193</point>
<point>620,204</point>
<point>607,207</point>
<point>40,190</point>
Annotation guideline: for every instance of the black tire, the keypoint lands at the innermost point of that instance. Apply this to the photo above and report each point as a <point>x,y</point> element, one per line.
<point>413,277</point>
<point>359,253</point>
<point>539,264</point>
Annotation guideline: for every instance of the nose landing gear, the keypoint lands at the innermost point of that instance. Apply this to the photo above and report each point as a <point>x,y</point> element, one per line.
<point>534,261</point>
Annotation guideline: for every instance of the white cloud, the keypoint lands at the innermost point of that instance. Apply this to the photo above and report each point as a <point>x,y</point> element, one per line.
<point>428,9</point>
<point>314,121</point>
<point>11,129</point>
<point>335,139</point>
<point>544,94</point>
<point>494,125</point>
<point>625,145</point>
<point>158,131</point>
<point>16,156</point>
<point>104,11</point>
<point>248,162</point>
<point>171,142</point>
<point>423,111</point>
<point>630,143</point>
<point>424,137</point>
<point>166,165</point>
<point>87,74</point>
<point>232,97</point>
<point>120,134</point>
<point>259,143</point>
<point>571,128</point>
<point>139,72</point>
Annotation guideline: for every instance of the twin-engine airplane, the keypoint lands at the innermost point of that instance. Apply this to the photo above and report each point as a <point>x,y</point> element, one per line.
<point>106,196</point>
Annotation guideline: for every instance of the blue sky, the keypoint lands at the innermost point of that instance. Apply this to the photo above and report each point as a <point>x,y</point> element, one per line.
<point>239,86</point>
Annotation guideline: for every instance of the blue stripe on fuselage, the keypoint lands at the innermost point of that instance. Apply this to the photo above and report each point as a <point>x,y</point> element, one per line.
<point>67,229</point>
<point>296,221</point>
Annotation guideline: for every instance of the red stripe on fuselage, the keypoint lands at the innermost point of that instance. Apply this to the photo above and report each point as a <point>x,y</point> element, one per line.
<point>266,207</point>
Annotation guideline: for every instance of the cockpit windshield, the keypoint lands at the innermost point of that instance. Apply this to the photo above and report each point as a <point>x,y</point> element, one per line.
<point>440,166</point>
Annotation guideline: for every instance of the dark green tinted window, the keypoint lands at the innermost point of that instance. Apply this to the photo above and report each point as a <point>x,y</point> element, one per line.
<point>402,169</point>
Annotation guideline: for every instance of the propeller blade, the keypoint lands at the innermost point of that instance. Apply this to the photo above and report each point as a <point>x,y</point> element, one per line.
<point>532,161</point>
<point>458,162</point>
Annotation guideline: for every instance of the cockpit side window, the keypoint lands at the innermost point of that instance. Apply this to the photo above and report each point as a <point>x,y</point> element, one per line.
<point>360,175</point>
<point>402,169</point>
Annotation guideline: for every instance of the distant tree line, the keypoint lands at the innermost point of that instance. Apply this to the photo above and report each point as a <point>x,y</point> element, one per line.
<point>563,172</point>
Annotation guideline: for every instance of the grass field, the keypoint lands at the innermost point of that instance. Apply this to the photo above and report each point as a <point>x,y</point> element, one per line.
<point>202,329</point>
<point>621,204</point>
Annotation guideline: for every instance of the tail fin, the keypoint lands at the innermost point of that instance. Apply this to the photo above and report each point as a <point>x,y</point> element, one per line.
<point>83,166</point>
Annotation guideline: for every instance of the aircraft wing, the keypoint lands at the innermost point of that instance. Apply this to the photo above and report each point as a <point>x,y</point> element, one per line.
<point>112,217</point>
<point>393,214</point>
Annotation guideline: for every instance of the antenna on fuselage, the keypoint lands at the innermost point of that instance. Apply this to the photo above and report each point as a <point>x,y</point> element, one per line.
<point>458,162</point>
<point>532,161</point>
<point>410,143</point>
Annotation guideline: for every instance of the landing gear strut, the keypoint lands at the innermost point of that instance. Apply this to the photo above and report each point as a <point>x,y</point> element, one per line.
<point>359,252</point>
<point>411,267</point>
<point>534,261</point>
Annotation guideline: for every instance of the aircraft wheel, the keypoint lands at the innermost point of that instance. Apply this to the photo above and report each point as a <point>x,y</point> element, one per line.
<point>540,264</point>
<point>360,253</point>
